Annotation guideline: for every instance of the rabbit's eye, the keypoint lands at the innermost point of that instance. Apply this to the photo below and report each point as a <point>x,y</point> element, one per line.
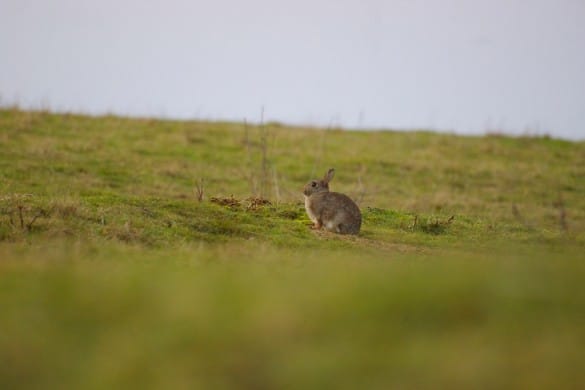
<point>314,184</point>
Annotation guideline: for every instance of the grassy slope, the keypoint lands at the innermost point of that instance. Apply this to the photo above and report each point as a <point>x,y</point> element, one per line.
<point>117,276</point>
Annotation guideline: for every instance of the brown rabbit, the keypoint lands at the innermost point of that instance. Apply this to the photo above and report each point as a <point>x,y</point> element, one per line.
<point>335,211</point>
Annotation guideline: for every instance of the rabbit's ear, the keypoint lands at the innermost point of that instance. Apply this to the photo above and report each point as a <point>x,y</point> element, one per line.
<point>329,175</point>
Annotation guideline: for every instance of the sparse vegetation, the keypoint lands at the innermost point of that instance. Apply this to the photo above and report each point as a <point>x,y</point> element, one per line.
<point>164,254</point>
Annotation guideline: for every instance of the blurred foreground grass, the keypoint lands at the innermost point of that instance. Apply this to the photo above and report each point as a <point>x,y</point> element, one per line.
<point>113,275</point>
<point>111,316</point>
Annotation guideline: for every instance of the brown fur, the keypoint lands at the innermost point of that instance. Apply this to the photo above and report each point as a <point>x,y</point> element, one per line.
<point>334,211</point>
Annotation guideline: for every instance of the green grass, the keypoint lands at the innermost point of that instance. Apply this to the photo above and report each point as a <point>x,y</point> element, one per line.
<point>467,273</point>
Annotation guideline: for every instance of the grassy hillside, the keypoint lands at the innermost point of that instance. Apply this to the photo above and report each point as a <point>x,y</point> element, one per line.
<point>143,253</point>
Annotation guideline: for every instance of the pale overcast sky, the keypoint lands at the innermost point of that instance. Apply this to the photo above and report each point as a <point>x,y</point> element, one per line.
<point>465,66</point>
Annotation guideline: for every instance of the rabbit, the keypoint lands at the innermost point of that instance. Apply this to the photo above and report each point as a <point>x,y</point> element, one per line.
<point>332,210</point>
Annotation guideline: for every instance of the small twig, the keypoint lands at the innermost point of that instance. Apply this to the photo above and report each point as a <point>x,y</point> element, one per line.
<point>32,221</point>
<point>276,187</point>
<point>560,205</point>
<point>248,154</point>
<point>249,173</point>
<point>20,208</point>
<point>40,213</point>
<point>264,153</point>
<point>246,137</point>
<point>199,190</point>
